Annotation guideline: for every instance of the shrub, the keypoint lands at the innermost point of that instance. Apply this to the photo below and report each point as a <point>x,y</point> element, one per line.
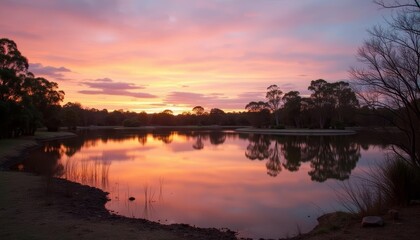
<point>131,122</point>
<point>393,184</point>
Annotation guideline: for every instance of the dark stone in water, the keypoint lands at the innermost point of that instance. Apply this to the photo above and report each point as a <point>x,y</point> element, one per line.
<point>372,221</point>
<point>131,198</point>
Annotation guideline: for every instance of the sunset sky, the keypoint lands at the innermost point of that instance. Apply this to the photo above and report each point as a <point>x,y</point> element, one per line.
<point>153,55</point>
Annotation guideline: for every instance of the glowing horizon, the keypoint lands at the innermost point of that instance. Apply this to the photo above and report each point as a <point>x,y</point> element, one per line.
<point>156,55</point>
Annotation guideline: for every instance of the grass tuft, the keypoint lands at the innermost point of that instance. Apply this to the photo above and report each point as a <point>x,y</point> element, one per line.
<point>393,184</point>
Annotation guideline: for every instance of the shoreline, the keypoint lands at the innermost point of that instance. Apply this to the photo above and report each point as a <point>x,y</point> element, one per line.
<point>297,132</point>
<point>14,149</point>
<point>73,204</point>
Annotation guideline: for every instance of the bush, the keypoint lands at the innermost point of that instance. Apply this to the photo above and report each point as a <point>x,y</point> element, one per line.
<point>393,184</point>
<point>131,122</point>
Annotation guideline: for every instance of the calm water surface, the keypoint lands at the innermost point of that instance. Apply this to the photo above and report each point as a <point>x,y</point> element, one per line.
<point>259,185</point>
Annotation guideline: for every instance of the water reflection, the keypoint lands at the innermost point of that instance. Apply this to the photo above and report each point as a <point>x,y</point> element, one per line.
<point>216,186</point>
<point>329,156</point>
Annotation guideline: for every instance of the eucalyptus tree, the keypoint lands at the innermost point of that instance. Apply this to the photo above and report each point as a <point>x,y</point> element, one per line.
<point>292,107</point>
<point>25,101</point>
<point>274,96</point>
<point>322,101</point>
<point>258,113</point>
<point>216,116</point>
<point>198,110</point>
<point>345,101</point>
<point>389,78</point>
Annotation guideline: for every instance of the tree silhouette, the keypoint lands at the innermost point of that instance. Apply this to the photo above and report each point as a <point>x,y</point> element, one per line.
<point>389,80</point>
<point>292,108</point>
<point>25,101</point>
<point>198,110</point>
<point>273,97</point>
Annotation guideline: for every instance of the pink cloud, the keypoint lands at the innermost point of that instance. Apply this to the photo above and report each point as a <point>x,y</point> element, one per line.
<point>48,71</point>
<point>106,86</point>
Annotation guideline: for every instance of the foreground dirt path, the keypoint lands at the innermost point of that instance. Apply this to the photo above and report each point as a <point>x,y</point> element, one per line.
<point>72,211</point>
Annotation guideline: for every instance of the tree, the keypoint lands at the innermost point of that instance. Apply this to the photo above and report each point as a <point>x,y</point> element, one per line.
<point>45,97</point>
<point>69,117</point>
<point>292,107</point>
<point>322,101</point>
<point>345,102</point>
<point>25,101</point>
<point>258,113</point>
<point>13,70</point>
<point>273,97</point>
<point>198,110</point>
<point>216,116</point>
<point>390,76</point>
<point>256,106</point>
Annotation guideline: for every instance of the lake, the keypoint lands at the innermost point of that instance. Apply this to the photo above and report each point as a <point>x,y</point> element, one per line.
<point>262,186</point>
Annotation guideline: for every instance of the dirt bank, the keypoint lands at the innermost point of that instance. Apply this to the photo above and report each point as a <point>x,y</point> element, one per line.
<point>33,207</point>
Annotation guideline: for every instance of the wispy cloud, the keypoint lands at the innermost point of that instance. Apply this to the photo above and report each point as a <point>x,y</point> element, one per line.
<point>107,86</point>
<point>48,71</point>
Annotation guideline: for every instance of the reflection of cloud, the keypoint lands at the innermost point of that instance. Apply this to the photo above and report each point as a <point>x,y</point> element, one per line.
<point>107,86</point>
<point>180,147</point>
<point>118,155</point>
<point>49,71</point>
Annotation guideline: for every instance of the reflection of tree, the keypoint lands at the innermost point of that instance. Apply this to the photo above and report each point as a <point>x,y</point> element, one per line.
<point>258,148</point>
<point>273,164</point>
<point>165,137</point>
<point>217,138</point>
<point>44,161</point>
<point>142,138</point>
<point>292,153</point>
<point>336,159</point>
<point>329,156</point>
<point>198,143</point>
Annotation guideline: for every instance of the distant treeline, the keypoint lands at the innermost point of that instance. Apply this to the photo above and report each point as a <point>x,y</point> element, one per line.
<point>74,114</point>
